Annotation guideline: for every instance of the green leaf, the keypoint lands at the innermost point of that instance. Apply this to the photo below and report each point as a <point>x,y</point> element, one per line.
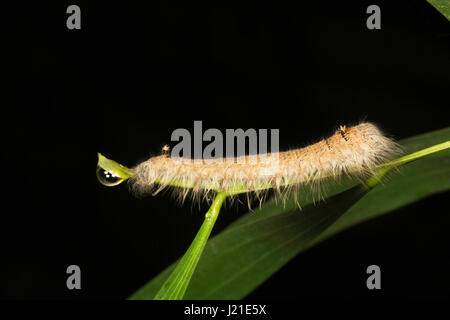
<point>443,6</point>
<point>258,244</point>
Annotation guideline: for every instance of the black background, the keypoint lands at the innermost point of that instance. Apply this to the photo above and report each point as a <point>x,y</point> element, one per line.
<point>134,73</point>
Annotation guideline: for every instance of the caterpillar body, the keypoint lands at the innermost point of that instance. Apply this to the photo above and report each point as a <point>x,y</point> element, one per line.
<point>355,151</point>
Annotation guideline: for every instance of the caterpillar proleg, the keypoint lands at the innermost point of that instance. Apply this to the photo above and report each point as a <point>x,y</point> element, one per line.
<point>354,151</point>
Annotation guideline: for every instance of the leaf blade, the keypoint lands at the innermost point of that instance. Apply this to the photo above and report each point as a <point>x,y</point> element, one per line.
<point>223,259</point>
<point>443,6</point>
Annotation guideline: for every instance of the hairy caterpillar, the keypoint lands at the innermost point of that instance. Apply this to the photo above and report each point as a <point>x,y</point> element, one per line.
<point>355,151</point>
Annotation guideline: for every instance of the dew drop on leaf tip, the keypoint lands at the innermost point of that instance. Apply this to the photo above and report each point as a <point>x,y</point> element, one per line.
<point>108,178</point>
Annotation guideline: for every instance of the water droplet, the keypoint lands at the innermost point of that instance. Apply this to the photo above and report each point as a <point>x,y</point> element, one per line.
<point>108,178</point>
